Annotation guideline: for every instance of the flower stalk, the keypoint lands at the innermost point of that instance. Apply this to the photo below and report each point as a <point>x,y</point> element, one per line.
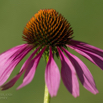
<point>46,95</point>
<point>46,92</point>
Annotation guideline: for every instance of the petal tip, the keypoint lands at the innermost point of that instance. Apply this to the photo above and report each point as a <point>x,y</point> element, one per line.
<point>76,94</point>
<point>1,88</point>
<point>18,88</point>
<point>96,92</point>
<point>53,94</point>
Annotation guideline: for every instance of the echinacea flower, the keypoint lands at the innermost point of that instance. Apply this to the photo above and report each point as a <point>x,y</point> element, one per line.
<point>49,34</point>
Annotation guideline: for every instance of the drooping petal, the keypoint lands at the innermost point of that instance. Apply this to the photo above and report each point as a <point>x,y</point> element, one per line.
<point>68,75</point>
<point>87,47</point>
<point>83,73</point>
<point>11,61</point>
<point>11,82</point>
<point>30,72</point>
<point>52,76</point>
<point>94,58</point>
<point>5,57</point>
<point>14,79</point>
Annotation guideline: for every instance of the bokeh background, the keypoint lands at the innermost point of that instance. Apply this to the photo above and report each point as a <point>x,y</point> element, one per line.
<point>86,18</point>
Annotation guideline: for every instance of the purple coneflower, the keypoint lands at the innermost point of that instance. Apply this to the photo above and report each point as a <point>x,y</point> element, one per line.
<point>48,33</point>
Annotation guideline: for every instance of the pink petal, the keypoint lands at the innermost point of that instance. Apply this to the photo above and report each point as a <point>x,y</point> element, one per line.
<point>12,81</point>
<point>68,75</point>
<point>4,57</point>
<point>88,47</point>
<point>25,66</point>
<point>83,73</point>
<point>52,76</point>
<point>30,72</point>
<point>11,61</point>
<point>94,58</point>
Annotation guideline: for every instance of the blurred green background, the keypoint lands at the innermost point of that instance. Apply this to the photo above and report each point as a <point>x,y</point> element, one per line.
<point>86,18</point>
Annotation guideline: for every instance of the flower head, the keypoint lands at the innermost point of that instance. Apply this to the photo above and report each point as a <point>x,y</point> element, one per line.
<point>49,33</point>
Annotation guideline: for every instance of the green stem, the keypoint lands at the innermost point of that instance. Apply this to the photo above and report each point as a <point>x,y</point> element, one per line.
<point>46,92</point>
<point>46,95</point>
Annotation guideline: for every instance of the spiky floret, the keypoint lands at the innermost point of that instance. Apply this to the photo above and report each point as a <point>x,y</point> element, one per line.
<point>47,28</point>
